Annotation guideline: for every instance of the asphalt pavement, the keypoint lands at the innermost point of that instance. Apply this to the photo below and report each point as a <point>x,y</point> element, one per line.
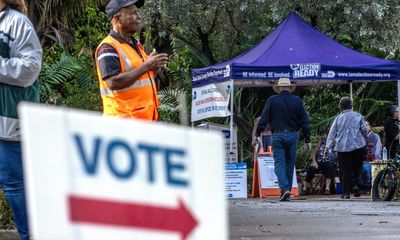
<point>314,217</point>
<point>308,218</point>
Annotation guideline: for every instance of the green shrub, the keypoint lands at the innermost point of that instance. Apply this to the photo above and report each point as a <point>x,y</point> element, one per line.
<point>6,215</point>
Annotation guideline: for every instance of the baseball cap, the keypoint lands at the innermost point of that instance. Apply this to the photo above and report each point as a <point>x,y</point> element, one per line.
<point>115,5</point>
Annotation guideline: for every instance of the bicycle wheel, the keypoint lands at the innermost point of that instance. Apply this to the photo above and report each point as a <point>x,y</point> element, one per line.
<point>384,185</point>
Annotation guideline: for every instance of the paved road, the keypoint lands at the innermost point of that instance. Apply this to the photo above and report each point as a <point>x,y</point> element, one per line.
<point>307,218</point>
<point>314,218</point>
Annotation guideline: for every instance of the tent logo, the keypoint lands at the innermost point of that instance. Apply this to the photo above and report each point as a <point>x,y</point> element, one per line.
<point>328,74</point>
<point>227,71</point>
<point>305,70</point>
<point>295,67</point>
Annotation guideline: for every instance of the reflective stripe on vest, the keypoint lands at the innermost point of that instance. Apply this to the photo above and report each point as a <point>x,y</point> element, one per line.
<point>137,84</point>
<point>138,100</point>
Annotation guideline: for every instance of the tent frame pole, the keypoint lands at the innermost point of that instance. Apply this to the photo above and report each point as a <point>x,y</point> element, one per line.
<point>398,98</point>
<point>351,91</point>
<point>398,94</point>
<point>231,124</point>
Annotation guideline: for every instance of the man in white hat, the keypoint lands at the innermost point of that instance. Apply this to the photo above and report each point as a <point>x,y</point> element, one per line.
<point>286,116</point>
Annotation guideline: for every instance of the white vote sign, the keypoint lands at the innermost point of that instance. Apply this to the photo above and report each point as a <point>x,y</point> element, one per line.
<point>90,177</point>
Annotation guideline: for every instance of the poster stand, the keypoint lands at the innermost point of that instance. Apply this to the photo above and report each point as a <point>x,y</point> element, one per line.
<point>264,186</point>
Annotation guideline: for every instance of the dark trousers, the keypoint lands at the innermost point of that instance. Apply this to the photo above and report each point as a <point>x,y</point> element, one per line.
<point>350,166</point>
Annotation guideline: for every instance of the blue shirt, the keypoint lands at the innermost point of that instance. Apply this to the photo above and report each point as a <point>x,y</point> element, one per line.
<point>349,132</point>
<point>285,112</point>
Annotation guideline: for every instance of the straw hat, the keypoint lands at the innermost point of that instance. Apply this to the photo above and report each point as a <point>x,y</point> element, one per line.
<point>283,82</point>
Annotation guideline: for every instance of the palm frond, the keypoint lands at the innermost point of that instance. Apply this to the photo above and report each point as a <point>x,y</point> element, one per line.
<point>53,76</point>
<point>170,104</point>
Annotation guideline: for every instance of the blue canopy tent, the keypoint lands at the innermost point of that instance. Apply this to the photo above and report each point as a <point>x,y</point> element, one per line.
<point>297,51</point>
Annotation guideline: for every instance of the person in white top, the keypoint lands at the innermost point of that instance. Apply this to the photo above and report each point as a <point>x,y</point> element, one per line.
<point>20,64</point>
<point>349,132</point>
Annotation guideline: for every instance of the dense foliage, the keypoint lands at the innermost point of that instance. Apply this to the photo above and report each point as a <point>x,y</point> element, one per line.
<point>214,31</point>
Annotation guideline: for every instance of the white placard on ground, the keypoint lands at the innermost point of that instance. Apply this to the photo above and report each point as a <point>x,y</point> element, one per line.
<point>267,172</point>
<point>236,180</point>
<point>90,177</point>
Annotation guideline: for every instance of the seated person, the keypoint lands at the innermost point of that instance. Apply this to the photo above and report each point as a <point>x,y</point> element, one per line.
<point>374,146</point>
<point>326,165</point>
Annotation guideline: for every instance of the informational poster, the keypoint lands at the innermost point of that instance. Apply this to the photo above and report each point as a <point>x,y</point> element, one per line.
<point>267,172</point>
<point>230,157</point>
<point>211,101</point>
<point>236,180</point>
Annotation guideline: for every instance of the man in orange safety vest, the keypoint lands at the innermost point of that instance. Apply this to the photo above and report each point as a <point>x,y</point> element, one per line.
<point>126,73</point>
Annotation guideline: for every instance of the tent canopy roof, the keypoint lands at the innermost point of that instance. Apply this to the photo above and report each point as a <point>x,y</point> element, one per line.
<point>298,51</point>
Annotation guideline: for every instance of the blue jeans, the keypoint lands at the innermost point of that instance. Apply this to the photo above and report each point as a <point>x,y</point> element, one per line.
<point>12,183</point>
<point>284,146</point>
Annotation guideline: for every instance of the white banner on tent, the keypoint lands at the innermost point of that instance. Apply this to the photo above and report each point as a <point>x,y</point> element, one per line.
<point>211,101</point>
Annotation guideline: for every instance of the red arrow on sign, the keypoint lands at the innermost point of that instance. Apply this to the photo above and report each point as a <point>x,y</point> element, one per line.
<point>95,211</point>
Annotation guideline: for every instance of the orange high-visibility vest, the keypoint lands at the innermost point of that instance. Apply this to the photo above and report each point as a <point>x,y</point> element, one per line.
<point>138,100</point>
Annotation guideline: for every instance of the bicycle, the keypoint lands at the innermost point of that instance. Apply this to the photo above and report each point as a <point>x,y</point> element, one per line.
<point>385,183</point>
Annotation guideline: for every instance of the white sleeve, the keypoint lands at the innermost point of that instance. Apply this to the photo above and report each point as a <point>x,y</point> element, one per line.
<point>332,134</point>
<point>23,66</point>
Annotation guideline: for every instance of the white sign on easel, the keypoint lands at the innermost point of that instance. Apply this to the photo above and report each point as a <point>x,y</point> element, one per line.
<point>267,172</point>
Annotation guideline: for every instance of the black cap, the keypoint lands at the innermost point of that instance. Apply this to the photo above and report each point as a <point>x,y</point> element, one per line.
<point>115,5</point>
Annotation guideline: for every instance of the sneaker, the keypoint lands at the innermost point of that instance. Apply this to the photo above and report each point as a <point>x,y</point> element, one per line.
<point>345,196</point>
<point>357,194</point>
<point>327,192</point>
<point>285,196</point>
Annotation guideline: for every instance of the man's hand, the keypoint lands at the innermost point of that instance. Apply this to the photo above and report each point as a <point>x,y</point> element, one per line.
<point>254,141</point>
<point>156,61</point>
<point>307,146</point>
<point>314,164</point>
<point>326,151</point>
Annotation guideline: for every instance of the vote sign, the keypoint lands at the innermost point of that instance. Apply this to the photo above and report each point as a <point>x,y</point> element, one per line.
<point>91,177</point>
